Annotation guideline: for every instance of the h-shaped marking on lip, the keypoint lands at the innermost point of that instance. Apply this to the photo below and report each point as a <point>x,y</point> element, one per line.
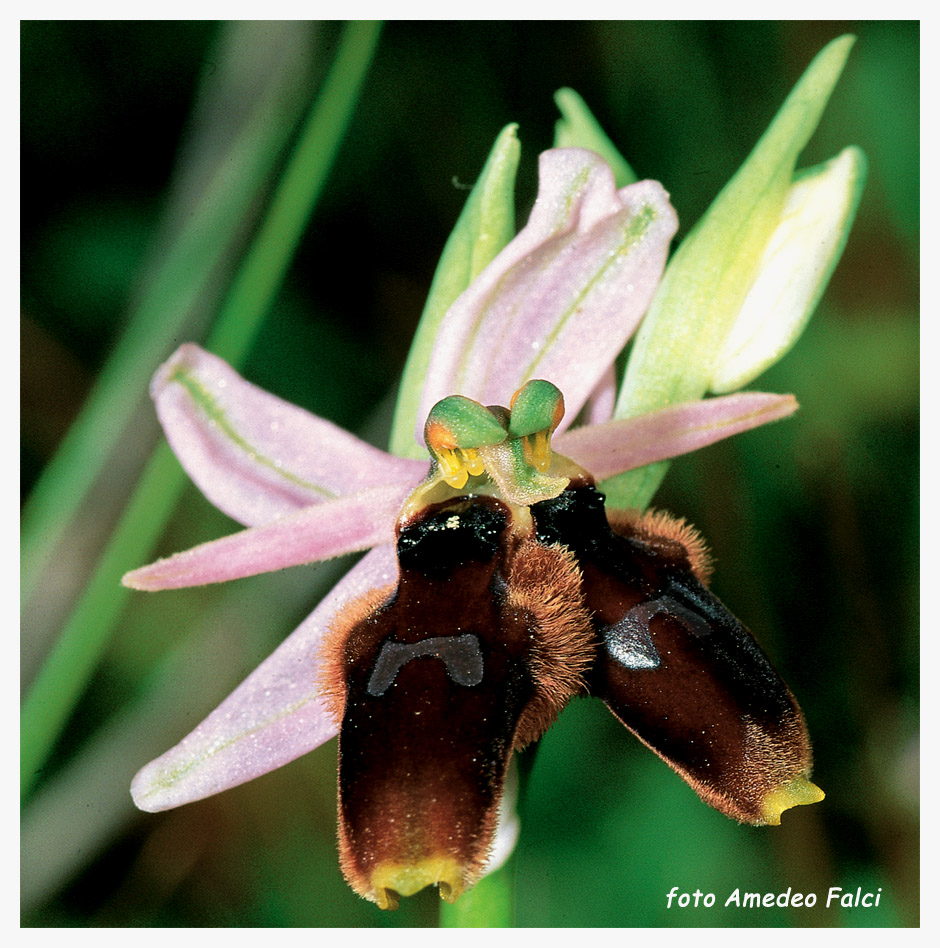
<point>629,640</point>
<point>460,654</point>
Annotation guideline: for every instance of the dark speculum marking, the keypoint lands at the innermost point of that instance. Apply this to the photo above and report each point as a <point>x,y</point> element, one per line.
<point>629,641</point>
<point>690,614</point>
<point>460,654</point>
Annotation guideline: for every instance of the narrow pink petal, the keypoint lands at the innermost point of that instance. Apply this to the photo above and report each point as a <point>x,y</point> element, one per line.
<point>618,446</point>
<point>564,296</point>
<point>333,528</point>
<point>600,404</point>
<point>255,456</point>
<point>273,717</point>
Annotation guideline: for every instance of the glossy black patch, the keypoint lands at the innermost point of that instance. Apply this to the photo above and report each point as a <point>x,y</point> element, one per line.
<point>622,572</point>
<point>450,535</point>
<point>577,519</point>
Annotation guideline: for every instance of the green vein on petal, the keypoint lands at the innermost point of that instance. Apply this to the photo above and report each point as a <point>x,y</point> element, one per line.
<point>219,420</point>
<point>169,779</point>
<point>636,228</point>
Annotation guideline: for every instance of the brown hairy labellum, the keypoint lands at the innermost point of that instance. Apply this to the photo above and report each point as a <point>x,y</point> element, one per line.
<point>481,643</point>
<point>674,665</point>
<point>500,615</point>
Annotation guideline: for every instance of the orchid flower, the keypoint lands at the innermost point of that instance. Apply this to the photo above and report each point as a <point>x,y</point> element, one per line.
<point>496,587</point>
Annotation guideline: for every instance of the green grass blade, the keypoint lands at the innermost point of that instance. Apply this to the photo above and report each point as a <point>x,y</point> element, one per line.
<point>88,630</point>
<point>296,196</point>
<point>76,653</point>
<point>181,280</point>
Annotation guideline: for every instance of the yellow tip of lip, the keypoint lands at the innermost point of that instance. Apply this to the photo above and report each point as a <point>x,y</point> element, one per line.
<point>390,880</point>
<point>797,792</point>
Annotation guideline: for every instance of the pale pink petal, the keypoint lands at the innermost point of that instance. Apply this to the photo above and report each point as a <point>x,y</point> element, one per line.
<point>618,446</point>
<point>333,528</point>
<point>563,297</point>
<point>273,717</point>
<point>600,405</point>
<point>255,456</point>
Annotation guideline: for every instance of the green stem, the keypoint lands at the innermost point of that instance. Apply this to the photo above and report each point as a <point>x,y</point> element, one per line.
<point>85,636</point>
<point>489,904</point>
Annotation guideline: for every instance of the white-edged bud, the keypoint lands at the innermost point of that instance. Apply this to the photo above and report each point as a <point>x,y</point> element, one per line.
<point>793,271</point>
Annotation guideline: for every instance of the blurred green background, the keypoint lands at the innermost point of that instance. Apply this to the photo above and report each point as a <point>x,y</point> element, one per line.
<point>131,130</point>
